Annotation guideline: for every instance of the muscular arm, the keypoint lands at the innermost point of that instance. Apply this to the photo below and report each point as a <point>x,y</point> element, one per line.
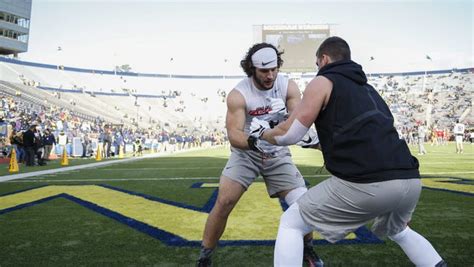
<point>293,96</point>
<point>315,97</point>
<point>235,120</point>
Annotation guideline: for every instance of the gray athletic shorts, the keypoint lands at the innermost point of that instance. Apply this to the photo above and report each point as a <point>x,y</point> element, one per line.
<point>279,173</point>
<point>336,207</point>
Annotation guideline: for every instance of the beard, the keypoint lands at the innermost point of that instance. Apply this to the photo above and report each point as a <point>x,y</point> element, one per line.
<point>264,85</point>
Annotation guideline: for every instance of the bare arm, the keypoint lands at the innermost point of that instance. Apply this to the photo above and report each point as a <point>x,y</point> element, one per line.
<point>235,120</point>
<point>315,97</point>
<point>293,96</point>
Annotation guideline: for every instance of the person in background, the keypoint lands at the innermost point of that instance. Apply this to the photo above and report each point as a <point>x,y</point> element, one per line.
<point>29,145</point>
<point>458,131</point>
<point>421,139</point>
<point>48,141</point>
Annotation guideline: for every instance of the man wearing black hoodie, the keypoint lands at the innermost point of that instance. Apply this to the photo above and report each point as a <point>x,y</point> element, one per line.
<point>374,176</point>
<point>29,143</point>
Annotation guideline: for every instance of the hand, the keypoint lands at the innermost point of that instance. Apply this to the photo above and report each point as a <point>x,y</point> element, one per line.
<point>257,127</point>
<point>278,106</point>
<point>254,144</point>
<point>309,139</point>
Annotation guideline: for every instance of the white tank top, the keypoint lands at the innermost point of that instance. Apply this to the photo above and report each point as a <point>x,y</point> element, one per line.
<point>258,105</point>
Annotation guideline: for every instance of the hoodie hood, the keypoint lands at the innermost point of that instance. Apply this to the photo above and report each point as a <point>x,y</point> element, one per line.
<point>346,68</point>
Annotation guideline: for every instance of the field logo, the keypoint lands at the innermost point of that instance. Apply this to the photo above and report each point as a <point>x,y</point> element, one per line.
<point>254,221</point>
<point>458,185</point>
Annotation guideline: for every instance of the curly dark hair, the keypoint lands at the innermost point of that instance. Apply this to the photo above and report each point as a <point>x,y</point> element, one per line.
<point>247,64</point>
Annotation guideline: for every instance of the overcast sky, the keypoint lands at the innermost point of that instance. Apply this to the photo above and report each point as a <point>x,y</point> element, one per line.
<point>200,35</point>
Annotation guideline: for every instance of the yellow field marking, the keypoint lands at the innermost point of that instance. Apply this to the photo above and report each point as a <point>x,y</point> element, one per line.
<point>180,221</point>
<point>256,213</point>
<point>255,217</point>
<point>207,185</point>
<point>443,183</point>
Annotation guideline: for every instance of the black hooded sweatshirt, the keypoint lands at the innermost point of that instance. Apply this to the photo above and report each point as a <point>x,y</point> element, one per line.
<point>358,139</point>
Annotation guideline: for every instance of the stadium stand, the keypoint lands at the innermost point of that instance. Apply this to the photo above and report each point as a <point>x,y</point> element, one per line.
<point>158,108</point>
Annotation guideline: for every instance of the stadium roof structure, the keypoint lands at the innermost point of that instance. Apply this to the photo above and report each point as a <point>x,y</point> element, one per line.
<point>191,76</point>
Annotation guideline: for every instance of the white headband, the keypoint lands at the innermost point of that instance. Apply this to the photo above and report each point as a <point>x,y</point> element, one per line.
<point>265,58</point>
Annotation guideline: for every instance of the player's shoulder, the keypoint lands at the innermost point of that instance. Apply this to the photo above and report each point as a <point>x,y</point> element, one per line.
<point>282,79</point>
<point>243,84</point>
<point>321,79</point>
<point>319,84</point>
<point>235,98</point>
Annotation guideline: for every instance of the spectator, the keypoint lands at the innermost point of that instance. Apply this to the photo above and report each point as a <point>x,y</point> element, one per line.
<point>29,144</point>
<point>48,141</point>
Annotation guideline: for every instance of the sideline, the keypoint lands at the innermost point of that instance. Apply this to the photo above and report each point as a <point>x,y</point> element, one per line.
<point>95,164</point>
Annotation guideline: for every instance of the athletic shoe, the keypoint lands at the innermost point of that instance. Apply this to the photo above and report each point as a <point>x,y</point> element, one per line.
<point>204,262</point>
<point>442,263</point>
<point>311,258</point>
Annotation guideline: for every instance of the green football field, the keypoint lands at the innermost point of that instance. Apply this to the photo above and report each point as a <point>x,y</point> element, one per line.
<point>151,212</point>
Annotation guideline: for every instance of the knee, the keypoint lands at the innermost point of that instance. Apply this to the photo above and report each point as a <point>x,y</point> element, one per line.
<point>291,219</point>
<point>224,206</point>
<point>285,220</point>
<point>290,224</point>
<point>401,235</point>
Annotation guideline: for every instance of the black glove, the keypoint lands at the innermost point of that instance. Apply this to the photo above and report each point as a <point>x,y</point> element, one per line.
<point>254,144</point>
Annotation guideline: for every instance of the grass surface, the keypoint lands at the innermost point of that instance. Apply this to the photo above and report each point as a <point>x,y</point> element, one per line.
<point>61,232</point>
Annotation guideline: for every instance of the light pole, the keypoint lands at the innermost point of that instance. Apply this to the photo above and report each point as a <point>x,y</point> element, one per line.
<point>115,63</point>
<point>430,95</point>
<point>225,67</point>
<point>370,60</point>
<point>58,50</point>
<point>426,70</point>
<point>138,107</point>
<point>171,67</point>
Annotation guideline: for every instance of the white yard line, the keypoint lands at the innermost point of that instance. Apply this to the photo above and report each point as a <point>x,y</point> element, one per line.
<point>178,178</point>
<point>53,172</point>
<point>114,179</point>
<point>159,168</point>
<point>89,165</point>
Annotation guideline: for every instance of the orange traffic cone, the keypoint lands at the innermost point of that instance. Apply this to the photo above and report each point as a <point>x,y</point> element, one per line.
<point>13,162</point>
<point>64,159</point>
<point>53,155</point>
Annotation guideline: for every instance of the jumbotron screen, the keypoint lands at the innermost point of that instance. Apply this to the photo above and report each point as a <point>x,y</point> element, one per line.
<point>298,42</point>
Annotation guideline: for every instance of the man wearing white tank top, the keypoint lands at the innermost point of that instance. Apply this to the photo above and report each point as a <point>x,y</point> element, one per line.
<point>268,96</point>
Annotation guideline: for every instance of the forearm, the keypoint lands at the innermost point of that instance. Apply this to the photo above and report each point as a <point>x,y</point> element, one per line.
<point>284,135</point>
<point>270,134</point>
<point>238,139</point>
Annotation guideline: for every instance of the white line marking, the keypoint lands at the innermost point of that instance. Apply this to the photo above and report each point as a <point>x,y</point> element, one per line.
<point>158,168</point>
<point>89,165</point>
<point>115,179</point>
<point>178,178</point>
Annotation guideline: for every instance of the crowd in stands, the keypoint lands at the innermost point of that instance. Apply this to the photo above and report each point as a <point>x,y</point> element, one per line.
<point>437,100</point>
<point>36,131</point>
<point>83,115</point>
